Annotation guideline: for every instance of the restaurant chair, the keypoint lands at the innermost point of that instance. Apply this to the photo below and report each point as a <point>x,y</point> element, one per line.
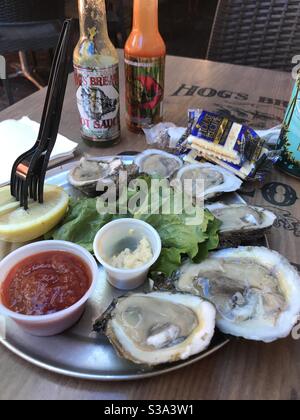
<point>115,18</point>
<point>256,33</point>
<point>28,25</point>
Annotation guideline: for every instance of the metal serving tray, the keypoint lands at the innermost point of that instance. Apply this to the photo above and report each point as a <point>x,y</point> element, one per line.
<point>80,353</point>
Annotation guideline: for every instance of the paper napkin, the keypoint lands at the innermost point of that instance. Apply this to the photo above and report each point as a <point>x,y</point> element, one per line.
<point>16,137</point>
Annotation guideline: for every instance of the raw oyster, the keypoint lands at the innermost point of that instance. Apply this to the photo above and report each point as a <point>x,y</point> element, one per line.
<point>255,290</point>
<point>158,163</point>
<point>90,176</point>
<point>158,327</point>
<point>217,180</point>
<point>241,223</point>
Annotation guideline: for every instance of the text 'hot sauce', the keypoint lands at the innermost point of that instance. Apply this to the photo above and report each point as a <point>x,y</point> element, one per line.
<point>145,54</point>
<point>96,70</point>
<point>46,283</point>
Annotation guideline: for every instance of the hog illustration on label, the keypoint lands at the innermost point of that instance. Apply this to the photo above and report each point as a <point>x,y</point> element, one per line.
<point>97,104</point>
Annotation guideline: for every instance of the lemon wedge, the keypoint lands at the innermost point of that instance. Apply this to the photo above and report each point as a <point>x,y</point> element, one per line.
<point>19,225</point>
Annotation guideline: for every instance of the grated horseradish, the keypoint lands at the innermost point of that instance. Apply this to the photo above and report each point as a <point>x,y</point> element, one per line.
<point>129,260</point>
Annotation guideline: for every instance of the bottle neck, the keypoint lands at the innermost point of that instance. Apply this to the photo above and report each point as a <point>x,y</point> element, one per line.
<point>145,15</point>
<point>92,18</point>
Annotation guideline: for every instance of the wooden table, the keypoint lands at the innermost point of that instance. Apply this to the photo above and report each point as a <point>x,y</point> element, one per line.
<point>242,370</point>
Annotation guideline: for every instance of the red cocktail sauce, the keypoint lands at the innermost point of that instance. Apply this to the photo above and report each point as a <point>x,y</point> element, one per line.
<point>46,283</point>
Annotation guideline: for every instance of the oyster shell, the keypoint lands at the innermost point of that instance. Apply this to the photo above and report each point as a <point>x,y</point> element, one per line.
<point>90,175</point>
<point>241,223</point>
<point>217,180</point>
<point>255,290</point>
<point>158,327</point>
<point>158,163</point>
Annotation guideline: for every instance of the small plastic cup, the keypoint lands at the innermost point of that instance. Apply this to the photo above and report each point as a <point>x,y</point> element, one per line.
<point>53,324</point>
<point>114,238</point>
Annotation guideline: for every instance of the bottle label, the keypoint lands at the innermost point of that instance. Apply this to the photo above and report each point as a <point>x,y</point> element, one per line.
<point>145,79</point>
<point>98,102</point>
<point>290,135</point>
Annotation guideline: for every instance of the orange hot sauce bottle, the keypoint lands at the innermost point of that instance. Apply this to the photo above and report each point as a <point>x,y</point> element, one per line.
<point>145,56</point>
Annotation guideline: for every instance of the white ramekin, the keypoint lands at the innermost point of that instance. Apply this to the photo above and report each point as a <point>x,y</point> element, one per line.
<point>108,238</point>
<point>48,325</point>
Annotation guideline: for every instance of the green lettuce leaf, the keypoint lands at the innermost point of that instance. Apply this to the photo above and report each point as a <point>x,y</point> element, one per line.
<point>169,261</point>
<point>81,224</point>
<point>211,243</point>
<point>180,239</point>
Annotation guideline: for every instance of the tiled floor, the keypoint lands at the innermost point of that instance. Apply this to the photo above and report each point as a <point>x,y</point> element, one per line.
<point>185,26</point>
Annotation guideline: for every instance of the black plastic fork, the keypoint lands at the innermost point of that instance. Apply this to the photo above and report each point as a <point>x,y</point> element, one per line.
<point>29,170</point>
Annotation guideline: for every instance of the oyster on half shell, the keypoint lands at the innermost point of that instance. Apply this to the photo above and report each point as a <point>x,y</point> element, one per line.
<point>255,290</point>
<point>158,163</point>
<point>241,223</point>
<point>158,327</point>
<point>90,176</point>
<point>217,180</point>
